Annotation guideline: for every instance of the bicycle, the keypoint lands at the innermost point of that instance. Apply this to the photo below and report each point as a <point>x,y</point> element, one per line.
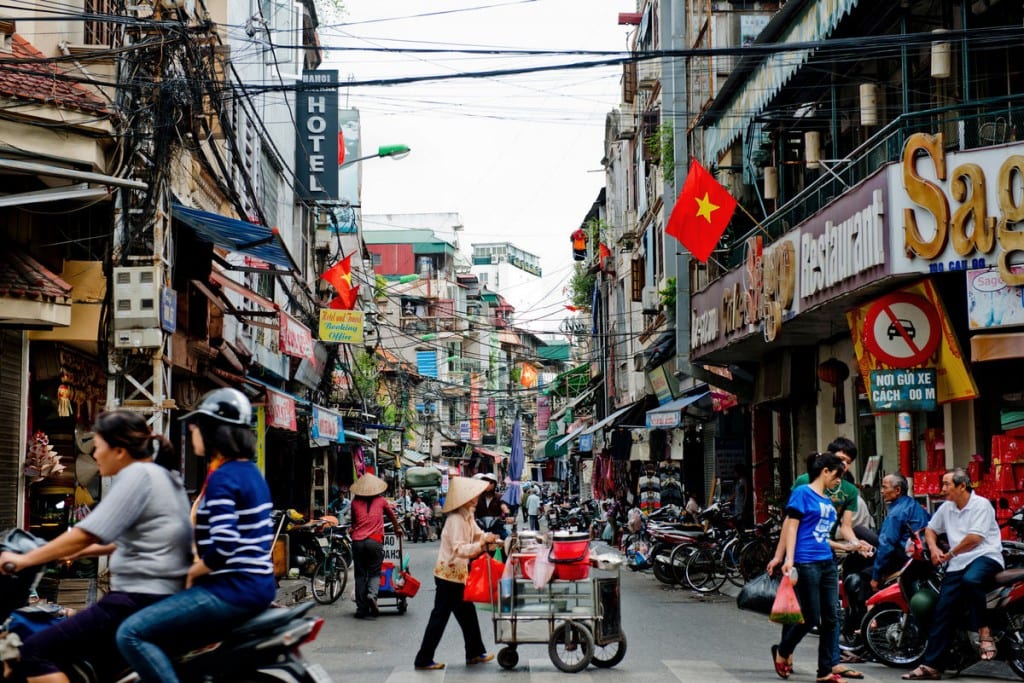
<point>331,573</point>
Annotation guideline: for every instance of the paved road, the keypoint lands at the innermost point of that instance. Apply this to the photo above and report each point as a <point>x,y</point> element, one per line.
<point>673,636</point>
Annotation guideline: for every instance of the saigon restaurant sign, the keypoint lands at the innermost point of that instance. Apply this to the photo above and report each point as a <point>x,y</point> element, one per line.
<point>955,211</point>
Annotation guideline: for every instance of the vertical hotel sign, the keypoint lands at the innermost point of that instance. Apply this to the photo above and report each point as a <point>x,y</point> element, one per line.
<point>316,149</point>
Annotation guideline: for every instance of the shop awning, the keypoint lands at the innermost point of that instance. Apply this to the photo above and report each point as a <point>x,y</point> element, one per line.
<point>1000,346</point>
<point>32,295</point>
<point>570,382</point>
<point>549,449</point>
<point>489,453</point>
<point>412,456</point>
<point>670,415</point>
<point>246,238</point>
<point>573,403</point>
<point>568,437</point>
<point>610,420</point>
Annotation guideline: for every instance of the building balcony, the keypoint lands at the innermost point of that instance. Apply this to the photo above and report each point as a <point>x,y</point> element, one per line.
<point>416,325</point>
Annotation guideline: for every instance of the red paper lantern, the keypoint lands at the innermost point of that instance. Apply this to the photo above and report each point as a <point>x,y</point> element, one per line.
<point>833,371</point>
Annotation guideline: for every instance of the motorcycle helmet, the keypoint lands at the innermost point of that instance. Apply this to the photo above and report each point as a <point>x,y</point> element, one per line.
<point>923,604</point>
<point>229,406</point>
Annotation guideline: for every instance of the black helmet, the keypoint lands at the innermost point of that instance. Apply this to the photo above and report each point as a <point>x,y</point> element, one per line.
<point>229,406</point>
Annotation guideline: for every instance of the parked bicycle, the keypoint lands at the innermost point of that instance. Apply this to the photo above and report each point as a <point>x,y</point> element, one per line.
<point>331,573</point>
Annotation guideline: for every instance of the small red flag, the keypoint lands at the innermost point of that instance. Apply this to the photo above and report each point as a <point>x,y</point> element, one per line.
<point>341,148</point>
<point>701,214</point>
<point>347,301</point>
<point>340,275</point>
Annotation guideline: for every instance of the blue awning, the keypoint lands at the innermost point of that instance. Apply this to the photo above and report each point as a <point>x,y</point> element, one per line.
<point>243,237</point>
<point>565,439</point>
<point>669,415</point>
<point>609,420</point>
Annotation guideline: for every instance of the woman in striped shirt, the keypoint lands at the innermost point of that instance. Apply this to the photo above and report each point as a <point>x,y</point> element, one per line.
<point>232,578</point>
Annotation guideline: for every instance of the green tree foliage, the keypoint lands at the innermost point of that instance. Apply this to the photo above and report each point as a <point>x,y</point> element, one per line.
<point>581,286</point>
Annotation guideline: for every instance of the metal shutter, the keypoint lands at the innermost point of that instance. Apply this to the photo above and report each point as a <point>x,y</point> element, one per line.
<point>11,398</point>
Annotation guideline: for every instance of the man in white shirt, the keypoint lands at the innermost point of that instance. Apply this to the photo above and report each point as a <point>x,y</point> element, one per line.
<point>975,555</point>
<point>533,512</point>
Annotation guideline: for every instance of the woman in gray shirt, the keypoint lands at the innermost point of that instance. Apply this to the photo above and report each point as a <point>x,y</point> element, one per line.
<point>144,521</point>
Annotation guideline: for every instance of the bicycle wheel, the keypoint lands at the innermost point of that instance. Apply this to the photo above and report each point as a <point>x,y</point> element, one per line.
<point>703,572</point>
<point>571,647</point>
<point>328,580</point>
<point>677,560</point>
<point>753,559</point>
<point>730,557</point>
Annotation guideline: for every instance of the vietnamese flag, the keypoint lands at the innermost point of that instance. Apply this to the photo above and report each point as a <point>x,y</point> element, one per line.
<point>701,214</point>
<point>340,275</point>
<point>347,301</point>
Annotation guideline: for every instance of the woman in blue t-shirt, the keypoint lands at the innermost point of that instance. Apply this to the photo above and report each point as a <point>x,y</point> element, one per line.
<point>805,546</point>
<point>232,579</point>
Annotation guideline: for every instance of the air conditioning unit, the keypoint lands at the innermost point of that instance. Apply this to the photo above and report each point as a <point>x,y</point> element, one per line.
<point>137,298</point>
<point>649,300</point>
<point>494,259</point>
<point>648,73</point>
<point>638,362</point>
<point>625,124</point>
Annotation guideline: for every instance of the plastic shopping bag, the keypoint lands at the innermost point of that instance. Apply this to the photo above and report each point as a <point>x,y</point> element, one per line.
<point>481,584</point>
<point>543,569</point>
<point>758,594</point>
<point>786,608</point>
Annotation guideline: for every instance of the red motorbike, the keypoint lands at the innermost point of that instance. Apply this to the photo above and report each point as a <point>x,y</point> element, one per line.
<point>420,530</point>
<point>895,628</point>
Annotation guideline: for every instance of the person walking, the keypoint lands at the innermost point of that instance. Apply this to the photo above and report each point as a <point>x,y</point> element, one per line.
<point>142,523</point>
<point>805,546</point>
<point>491,511</point>
<point>367,511</point>
<point>533,511</point>
<point>232,579</point>
<point>461,541</point>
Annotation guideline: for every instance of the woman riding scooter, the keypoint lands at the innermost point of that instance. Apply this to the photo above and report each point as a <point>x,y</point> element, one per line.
<point>144,525</point>
<point>232,579</point>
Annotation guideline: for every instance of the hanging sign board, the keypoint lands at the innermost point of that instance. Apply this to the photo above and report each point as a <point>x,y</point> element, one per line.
<point>327,425</point>
<point>295,338</point>
<point>341,327</point>
<point>281,411</point>
<point>901,390</point>
<point>392,551</point>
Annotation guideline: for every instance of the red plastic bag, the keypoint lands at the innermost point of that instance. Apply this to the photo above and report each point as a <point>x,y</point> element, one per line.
<point>786,608</point>
<point>482,585</point>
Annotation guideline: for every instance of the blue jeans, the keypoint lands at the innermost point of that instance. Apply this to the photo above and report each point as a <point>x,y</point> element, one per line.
<point>817,590</point>
<point>174,625</point>
<point>967,586</point>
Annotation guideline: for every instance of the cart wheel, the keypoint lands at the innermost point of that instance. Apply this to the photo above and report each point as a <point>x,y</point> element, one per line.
<point>403,604</point>
<point>508,657</point>
<point>607,656</point>
<point>571,647</point>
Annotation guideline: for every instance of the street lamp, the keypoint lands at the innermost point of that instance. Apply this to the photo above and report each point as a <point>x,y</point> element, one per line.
<point>384,151</point>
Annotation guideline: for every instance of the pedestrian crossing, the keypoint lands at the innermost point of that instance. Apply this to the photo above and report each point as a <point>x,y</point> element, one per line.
<point>541,670</point>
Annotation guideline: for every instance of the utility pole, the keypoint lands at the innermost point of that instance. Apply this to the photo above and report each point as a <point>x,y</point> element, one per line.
<point>138,281</point>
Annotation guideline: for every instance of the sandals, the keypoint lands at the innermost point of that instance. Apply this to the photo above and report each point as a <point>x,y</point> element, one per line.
<point>783,668</point>
<point>433,666</point>
<point>847,672</point>
<point>922,673</point>
<point>481,659</point>
<point>831,678</point>
<point>987,648</point>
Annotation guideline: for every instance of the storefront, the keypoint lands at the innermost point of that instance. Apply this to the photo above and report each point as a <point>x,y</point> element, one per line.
<point>887,318</point>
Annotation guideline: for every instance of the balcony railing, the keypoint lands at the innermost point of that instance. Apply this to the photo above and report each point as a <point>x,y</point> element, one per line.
<point>416,324</point>
<point>966,126</point>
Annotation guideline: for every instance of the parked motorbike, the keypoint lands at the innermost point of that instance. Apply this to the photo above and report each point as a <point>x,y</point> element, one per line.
<point>896,626</point>
<point>267,647</point>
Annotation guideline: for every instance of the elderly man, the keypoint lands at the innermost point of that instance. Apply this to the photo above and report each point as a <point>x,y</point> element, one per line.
<point>490,511</point>
<point>975,555</point>
<point>905,515</point>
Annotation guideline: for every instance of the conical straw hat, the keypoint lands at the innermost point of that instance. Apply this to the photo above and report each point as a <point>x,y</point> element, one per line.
<point>369,485</point>
<point>461,490</point>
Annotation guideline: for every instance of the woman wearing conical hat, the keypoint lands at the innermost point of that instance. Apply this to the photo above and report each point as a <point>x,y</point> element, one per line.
<point>461,541</point>
<point>367,511</point>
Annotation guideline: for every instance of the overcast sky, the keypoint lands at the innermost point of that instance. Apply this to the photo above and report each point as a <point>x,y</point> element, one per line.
<point>518,157</point>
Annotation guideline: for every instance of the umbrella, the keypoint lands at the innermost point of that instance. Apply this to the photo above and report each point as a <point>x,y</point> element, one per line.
<point>516,459</point>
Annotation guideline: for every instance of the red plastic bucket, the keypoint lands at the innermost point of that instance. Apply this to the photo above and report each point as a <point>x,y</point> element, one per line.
<point>570,552</point>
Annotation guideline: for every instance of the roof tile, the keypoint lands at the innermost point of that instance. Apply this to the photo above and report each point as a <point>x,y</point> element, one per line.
<point>27,81</point>
<point>22,277</point>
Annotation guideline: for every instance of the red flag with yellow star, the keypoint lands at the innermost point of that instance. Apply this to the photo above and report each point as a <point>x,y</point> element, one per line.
<point>340,277</point>
<point>701,214</point>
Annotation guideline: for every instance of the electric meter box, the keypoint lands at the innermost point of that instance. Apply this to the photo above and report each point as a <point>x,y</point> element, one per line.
<point>138,339</point>
<point>137,298</point>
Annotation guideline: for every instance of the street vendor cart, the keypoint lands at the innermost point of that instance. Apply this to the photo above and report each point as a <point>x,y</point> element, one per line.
<point>576,614</point>
<point>397,585</point>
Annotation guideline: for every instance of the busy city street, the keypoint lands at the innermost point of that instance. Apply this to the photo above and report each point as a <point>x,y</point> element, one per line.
<point>674,635</point>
